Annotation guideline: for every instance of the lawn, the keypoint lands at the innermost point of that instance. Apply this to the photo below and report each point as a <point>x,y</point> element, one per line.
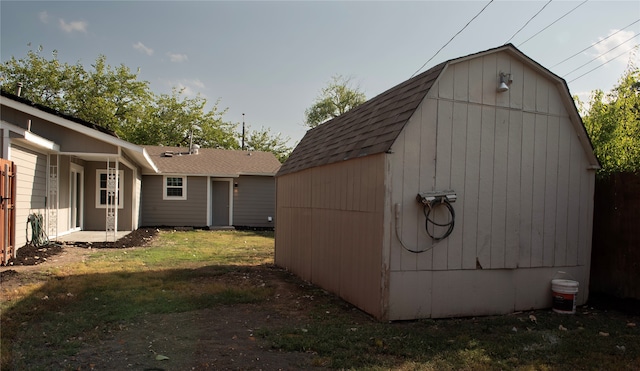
<point>213,300</point>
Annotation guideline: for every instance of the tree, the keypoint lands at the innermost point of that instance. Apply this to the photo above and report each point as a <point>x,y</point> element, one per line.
<point>263,140</point>
<point>109,97</point>
<point>613,124</point>
<point>334,100</point>
<point>175,120</point>
<point>114,98</point>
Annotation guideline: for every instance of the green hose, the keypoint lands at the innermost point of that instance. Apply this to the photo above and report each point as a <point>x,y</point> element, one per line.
<point>38,236</point>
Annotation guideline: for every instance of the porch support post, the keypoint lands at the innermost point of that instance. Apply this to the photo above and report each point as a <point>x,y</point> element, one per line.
<point>52,200</point>
<point>113,198</point>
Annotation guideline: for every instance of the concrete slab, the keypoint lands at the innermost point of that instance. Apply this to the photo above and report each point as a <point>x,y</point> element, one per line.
<point>90,236</point>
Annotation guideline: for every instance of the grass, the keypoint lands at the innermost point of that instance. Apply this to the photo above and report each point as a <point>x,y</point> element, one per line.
<point>59,311</point>
<point>487,343</point>
<point>177,274</point>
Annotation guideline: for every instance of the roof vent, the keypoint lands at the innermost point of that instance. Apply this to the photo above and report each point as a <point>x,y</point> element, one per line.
<point>19,89</point>
<point>195,149</point>
<point>167,154</point>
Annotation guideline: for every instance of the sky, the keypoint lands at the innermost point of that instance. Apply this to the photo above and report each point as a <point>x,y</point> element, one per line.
<point>270,60</point>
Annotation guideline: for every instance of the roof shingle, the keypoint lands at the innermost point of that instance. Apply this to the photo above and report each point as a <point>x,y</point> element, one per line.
<point>365,130</point>
<point>213,162</point>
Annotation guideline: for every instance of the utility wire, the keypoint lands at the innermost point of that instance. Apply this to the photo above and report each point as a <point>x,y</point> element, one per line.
<point>615,47</point>
<point>610,60</point>
<point>554,22</point>
<point>594,44</point>
<point>530,19</point>
<point>454,36</point>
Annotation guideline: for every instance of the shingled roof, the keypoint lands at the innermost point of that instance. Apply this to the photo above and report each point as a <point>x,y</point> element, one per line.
<point>52,111</point>
<point>365,130</point>
<point>212,162</point>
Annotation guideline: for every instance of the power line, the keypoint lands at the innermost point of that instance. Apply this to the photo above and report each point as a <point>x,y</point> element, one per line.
<point>554,22</point>
<point>454,36</point>
<point>615,47</point>
<point>610,60</point>
<point>530,19</point>
<point>594,44</point>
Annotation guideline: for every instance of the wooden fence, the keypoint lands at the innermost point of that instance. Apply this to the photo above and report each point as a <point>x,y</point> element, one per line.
<point>615,258</point>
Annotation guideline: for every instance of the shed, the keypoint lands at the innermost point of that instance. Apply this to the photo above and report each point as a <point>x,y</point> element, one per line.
<point>494,136</point>
<point>209,187</point>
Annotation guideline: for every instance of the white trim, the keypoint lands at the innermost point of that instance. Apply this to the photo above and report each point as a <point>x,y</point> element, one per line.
<point>78,169</point>
<point>66,123</point>
<point>119,197</point>
<point>33,139</point>
<point>183,187</point>
<point>41,142</point>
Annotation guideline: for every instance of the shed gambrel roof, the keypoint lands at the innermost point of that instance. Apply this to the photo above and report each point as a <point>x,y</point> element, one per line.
<point>213,162</point>
<point>374,126</point>
<point>365,130</point>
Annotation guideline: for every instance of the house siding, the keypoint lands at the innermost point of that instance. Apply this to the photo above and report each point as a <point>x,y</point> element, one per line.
<point>254,201</point>
<point>331,234</point>
<point>525,194</point>
<point>176,213</point>
<point>95,218</point>
<point>31,186</point>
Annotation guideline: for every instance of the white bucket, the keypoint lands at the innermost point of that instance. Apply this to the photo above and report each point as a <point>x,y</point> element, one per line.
<point>564,295</point>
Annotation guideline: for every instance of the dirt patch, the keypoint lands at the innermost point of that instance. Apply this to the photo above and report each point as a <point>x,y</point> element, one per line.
<point>34,255</point>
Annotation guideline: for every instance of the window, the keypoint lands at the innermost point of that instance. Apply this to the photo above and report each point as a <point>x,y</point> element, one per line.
<point>101,190</point>
<point>175,188</point>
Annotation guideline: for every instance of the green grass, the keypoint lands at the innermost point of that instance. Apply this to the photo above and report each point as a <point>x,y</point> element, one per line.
<point>487,343</point>
<point>176,274</point>
<point>61,310</point>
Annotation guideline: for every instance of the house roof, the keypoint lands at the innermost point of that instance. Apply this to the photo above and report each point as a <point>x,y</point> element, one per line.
<point>374,126</point>
<point>212,162</point>
<point>58,113</point>
<point>133,151</point>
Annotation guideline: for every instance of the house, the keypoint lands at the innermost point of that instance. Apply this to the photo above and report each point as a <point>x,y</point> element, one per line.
<point>76,175</point>
<point>207,187</point>
<point>462,191</point>
<point>79,176</point>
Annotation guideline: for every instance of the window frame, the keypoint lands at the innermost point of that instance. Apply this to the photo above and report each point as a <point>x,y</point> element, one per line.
<point>165,187</point>
<point>99,189</point>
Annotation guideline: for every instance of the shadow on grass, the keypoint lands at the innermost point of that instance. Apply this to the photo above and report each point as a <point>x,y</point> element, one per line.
<point>68,314</point>
<point>58,318</point>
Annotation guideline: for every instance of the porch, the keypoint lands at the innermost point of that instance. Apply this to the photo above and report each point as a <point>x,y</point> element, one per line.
<point>91,236</point>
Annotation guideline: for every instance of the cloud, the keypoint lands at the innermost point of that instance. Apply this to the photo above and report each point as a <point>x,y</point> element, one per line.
<point>43,16</point>
<point>177,58</point>
<point>143,48</point>
<point>73,26</point>
<point>189,87</point>
<point>620,41</point>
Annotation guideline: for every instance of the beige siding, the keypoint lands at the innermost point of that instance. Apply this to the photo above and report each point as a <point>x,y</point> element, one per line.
<point>525,194</point>
<point>254,201</point>
<point>191,212</point>
<point>31,186</point>
<point>332,228</point>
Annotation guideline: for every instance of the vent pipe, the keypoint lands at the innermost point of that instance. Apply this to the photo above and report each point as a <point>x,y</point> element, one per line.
<point>243,131</point>
<point>19,89</point>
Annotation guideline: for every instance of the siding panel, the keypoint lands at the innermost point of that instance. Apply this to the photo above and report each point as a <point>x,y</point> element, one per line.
<point>254,201</point>
<point>31,186</point>
<point>191,212</point>
<point>470,194</point>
